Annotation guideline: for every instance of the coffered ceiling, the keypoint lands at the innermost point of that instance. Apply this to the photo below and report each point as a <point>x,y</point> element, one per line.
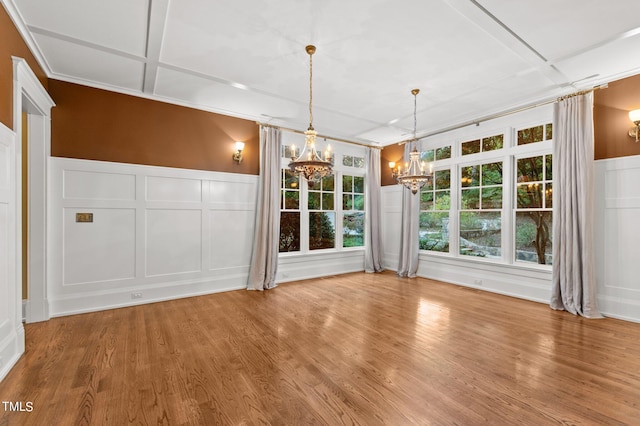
<point>246,58</point>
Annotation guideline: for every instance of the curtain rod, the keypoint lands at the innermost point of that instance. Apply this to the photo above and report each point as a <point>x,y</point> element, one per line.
<point>286,129</point>
<point>505,113</point>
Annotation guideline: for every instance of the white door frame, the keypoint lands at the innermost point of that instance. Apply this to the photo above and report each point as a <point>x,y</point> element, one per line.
<point>30,96</point>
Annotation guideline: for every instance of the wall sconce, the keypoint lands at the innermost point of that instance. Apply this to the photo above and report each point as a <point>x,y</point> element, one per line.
<point>395,171</point>
<point>237,156</point>
<point>635,117</point>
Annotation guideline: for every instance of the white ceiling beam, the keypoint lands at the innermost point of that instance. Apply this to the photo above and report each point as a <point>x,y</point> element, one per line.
<point>158,10</point>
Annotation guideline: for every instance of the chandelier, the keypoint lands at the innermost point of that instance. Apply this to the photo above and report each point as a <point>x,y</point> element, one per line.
<point>310,164</point>
<point>415,175</point>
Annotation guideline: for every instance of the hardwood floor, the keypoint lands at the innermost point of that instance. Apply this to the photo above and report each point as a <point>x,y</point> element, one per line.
<point>353,349</point>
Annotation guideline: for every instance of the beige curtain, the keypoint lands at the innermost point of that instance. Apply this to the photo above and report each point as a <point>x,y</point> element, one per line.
<point>409,241</point>
<point>373,245</point>
<point>574,285</point>
<point>264,257</point>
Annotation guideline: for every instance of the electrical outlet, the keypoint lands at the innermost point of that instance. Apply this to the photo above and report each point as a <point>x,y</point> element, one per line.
<point>136,295</point>
<point>477,282</point>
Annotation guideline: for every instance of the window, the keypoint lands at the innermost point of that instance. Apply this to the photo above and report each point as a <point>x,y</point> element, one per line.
<point>534,198</point>
<point>328,215</point>
<point>353,211</point>
<point>435,202</point>
<point>535,134</point>
<point>490,143</point>
<point>480,210</point>
<point>289,212</point>
<point>322,215</point>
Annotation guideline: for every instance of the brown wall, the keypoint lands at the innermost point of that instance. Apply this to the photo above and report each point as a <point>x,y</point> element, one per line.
<point>611,118</point>
<point>12,44</point>
<point>394,153</point>
<point>96,124</point>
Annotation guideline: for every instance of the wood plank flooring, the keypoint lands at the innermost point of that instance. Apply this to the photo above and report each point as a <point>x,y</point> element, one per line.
<point>366,349</point>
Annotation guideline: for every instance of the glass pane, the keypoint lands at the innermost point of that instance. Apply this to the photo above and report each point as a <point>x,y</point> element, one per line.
<point>347,183</point>
<point>347,160</point>
<point>291,180</point>
<point>428,186</point>
<point>470,199</point>
<point>492,143</point>
<point>530,135</point>
<point>548,195</point>
<point>470,176</point>
<point>327,201</point>
<point>471,147</point>
<point>289,231</point>
<point>443,200</point>
<point>358,162</point>
<point>347,202</point>
<point>534,237</point>
<point>443,179</point>
<point>426,155</point>
<point>492,174</point>
<point>314,200</point>
<point>327,183</point>
<point>549,131</point>
<point>480,234</point>
<point>529,196</point>
<point>434,231</point>
<point>358,184</point>
<point>492,198</point>
<point>443,153</point>
<point>322,233</point>
<point>530,169</point>
<point>549,167</point>
<point>358,202</point>
<point>291,200</point>
<point>353,230</point>
<point>426,200</point>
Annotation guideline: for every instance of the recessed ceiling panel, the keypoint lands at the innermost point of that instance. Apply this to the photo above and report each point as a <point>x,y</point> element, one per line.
<point>82,63</point>
<point>604,64</point>
<point>118,24</point>
<point>557,29</point>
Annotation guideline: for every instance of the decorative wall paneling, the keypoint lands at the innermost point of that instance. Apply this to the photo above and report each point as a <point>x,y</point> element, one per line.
<point>157,233</point>
<point>617,233</point>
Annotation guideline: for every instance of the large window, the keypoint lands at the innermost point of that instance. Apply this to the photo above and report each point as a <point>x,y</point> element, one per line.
<point>326,216</point>
<point>480,210</point>
<point>353,211</point>
<point>435,202</point>
<point>491,197</point>
<point>289,211</point>
<point>322,215</point>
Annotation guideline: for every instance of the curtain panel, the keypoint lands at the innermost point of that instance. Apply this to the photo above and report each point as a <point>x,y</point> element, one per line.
<point>264,256</point>
<point>574,282</point>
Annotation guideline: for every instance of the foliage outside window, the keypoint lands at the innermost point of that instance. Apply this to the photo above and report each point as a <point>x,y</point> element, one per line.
<point>353,211</point>
<point>534,214</point>
<point>480,210</point>
<point>435,202</point>
<point>490,143</point>
<point>322,215</point>
<point>535,134</point>
<point>353,161</point>
<point>290,212</point>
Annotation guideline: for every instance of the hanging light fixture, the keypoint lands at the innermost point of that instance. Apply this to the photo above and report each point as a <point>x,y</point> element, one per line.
<point>415,175</point>
<point>310,164</point>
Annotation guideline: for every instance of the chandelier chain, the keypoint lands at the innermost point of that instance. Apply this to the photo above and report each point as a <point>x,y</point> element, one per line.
<point>310,90</point>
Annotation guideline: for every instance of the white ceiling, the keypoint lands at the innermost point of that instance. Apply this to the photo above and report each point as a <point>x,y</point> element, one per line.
<point>246,58</point>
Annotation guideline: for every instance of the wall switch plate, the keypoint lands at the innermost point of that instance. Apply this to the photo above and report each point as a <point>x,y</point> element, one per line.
<point>84,217</point>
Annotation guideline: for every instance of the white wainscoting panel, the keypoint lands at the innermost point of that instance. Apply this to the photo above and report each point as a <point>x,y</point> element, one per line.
<point>391,199</point>
<point>157,233</point>
<point>174,241</point>
<point>103,250</point>
<point>617,233</point>
<point>11,329</point>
